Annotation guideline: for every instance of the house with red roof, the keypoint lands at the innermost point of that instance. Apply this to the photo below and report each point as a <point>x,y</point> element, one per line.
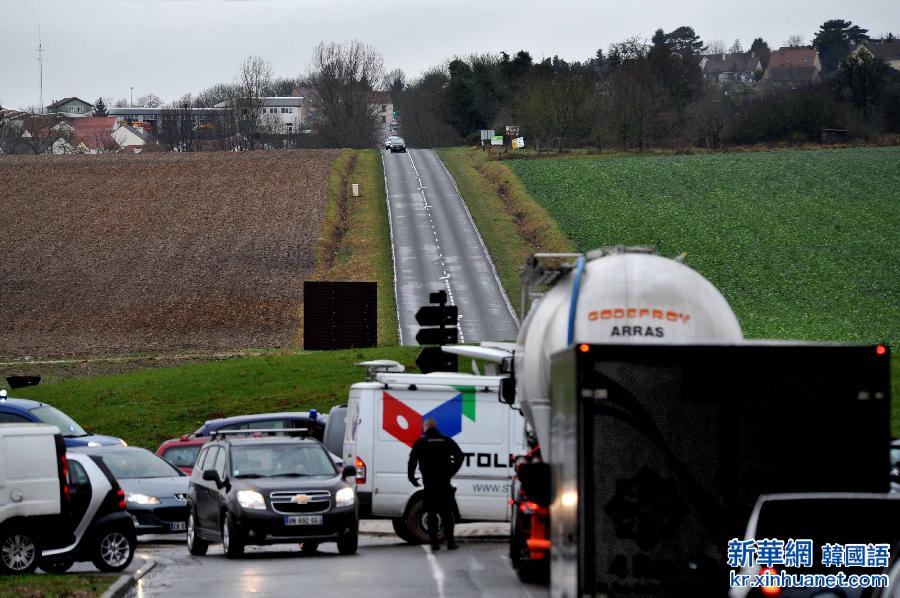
<point>793,67</point>
<point>93,135</point>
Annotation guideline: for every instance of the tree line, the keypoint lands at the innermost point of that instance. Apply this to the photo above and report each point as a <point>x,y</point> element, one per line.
<point>640,93</point>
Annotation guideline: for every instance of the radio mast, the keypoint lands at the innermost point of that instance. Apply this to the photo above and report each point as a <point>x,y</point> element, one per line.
<point>40,59</point>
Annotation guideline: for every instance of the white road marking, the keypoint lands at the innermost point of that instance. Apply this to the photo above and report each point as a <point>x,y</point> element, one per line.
<point>436,570</point>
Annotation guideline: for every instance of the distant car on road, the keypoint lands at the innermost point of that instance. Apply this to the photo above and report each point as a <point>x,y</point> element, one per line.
<point>182,452</point>
<point>397,145</point>
<point>270,490</point>
<point>387,142</point>
<point>26,411</point>
<point>155,490</point>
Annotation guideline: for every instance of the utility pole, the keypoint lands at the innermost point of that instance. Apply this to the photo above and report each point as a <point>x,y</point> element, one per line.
<point>40,59</point>
<point>131,101</point>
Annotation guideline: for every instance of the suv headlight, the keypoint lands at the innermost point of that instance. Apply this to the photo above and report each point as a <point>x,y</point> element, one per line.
<point>141,499</point>
<point>344,497</point>
<point>250,499</point>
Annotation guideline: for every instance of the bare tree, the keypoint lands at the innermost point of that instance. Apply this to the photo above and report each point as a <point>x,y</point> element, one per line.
<point>40,133</point>
<point>148,100</point>
<point>736,47</point>
<point>716,46</point>
<point>120,103</point>
<point>253,80</point>
<point>342,76</point>
<point>795,41</point>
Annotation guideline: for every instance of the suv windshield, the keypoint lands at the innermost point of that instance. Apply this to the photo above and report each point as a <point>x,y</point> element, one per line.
<point>287,460</point>
<point>130,464</point>
<point>53,416</point>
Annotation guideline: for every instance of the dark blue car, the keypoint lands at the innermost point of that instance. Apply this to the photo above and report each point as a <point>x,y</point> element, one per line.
<point>21,411</point>
<point>311,421</point>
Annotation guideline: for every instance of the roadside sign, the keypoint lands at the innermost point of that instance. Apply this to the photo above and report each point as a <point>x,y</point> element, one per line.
<point>497,140</point>
<point>437,336</point>
<point>432,359</point>
<point>437,315</point>
<point>486,134</point>
<point>520,142</point>
<point>512,130</point>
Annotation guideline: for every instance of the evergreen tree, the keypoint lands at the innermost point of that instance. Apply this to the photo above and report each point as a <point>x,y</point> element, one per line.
<point>100,107</point>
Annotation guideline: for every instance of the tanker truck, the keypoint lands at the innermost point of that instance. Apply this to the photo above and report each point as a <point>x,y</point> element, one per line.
<point>652,426</point>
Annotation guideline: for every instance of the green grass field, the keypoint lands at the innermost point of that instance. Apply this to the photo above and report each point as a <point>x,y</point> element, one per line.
<point>804,245</point>
<point>151,405</point>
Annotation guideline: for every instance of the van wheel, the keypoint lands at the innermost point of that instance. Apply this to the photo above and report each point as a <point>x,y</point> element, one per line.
<point>114,550</point>
<point>400,529</point>
<point>195,544</point>
<point>19,552</point>
<point>417,525</point>
<point>309,547</point>
<point>231,539</point>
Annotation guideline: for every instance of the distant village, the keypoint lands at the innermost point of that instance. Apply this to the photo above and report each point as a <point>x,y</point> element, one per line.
<point>73,125</point>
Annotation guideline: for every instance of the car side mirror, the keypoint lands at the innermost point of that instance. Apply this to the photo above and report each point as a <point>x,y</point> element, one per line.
<point>211,475</point>
<point>349,471</point>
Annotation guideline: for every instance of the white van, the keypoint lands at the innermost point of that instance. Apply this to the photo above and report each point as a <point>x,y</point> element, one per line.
<point>384,419</point>
<point>33,493</point>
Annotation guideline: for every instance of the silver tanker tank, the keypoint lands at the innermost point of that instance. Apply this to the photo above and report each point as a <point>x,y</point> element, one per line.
<point>615,296</point>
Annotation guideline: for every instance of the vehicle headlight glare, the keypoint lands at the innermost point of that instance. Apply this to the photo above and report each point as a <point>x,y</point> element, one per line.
<point>141,499</point>
<point>250,499</point>
<point>344,497</point>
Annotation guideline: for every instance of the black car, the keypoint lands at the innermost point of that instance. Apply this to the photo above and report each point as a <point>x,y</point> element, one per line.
<point>270,490</point>
<point>102,530</point>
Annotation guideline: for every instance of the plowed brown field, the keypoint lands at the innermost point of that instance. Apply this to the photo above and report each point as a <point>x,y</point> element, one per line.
<point>156,252</point>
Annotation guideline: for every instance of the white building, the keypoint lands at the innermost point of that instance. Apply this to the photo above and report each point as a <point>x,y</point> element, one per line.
<point>279,114</point>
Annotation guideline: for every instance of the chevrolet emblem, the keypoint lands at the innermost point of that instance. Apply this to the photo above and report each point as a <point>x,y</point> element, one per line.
<point>300,499</point>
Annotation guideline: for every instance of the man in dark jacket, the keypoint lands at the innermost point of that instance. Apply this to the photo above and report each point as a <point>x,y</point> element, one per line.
<point>439,458</point>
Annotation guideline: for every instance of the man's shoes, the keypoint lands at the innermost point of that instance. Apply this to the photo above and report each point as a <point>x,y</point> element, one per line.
<point>452,545</point>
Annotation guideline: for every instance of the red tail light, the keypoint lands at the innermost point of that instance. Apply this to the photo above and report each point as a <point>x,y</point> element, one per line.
<point>360,471</point>
<point>772,590</point>
<point>65,475</point>
<point>528,507</point>
<point>880,350</point>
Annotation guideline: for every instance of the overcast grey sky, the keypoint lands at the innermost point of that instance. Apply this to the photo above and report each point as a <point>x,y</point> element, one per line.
<point>171,47</point>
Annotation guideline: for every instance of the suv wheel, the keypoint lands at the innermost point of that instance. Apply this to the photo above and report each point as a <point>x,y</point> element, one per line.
<point>309,547</point>
<point>348,541</point>
<point>231,540</point>
<point>114,550</point>
<point>196,545</point>
<point>19,552</point>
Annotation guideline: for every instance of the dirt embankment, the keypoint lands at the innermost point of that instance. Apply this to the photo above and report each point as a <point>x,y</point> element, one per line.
<point>160,252</point>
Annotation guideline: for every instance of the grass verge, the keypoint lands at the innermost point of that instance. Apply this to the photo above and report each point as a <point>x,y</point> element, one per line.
<point>148,406</point>
<point>356,241</point>
<point>72,585</point>
<point>511,222</point>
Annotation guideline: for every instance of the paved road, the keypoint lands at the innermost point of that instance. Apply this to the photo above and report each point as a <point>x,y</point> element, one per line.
<point>436,246</point>
<point>384,567</point>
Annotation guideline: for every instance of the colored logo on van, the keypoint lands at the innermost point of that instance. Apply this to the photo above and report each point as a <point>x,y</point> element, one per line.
<point>405,423</point>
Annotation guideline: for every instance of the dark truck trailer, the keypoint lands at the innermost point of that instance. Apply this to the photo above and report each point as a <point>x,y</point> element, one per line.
<point>660,452</point>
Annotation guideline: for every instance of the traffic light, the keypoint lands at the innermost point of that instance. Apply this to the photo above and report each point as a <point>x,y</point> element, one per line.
<point>432,359</point>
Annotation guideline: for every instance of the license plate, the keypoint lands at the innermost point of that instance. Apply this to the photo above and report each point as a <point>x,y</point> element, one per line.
<point>177,527</point>
<point>303,520</point>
